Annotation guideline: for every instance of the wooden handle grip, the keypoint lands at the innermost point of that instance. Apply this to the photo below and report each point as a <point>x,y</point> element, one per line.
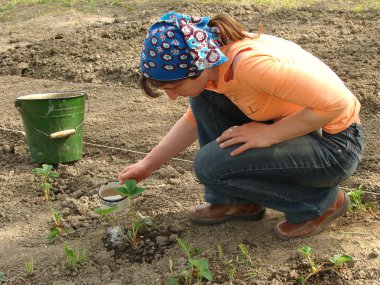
<point>62,134</point>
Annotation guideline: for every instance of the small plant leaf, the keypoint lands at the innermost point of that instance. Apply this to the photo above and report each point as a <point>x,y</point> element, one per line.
<point>185,247</point>
<point>38,171</point>
<point>142,220</point>
<point>306,250</point>
<point>68,251</point>
<point>45,186</point>
<point>53,174</point>
<point>47,168</point>
<point>206,273</point>
<point>105,212</point>
<point>186,274</point>
<point>3,278</point>
<point>130,189</point>
<point>172,281</point>
<point>130,184</point>
<point>299,280</point>
<point>201,266</point>
<point>53,235</point>
<point>340,259</point>
<point>200,263</point>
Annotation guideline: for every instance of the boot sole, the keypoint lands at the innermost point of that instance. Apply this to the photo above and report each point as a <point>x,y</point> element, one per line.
<point>246,217</point>
<point>340,212</point>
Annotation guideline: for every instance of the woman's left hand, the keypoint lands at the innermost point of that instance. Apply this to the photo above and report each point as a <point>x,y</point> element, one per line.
<point>250,135</point>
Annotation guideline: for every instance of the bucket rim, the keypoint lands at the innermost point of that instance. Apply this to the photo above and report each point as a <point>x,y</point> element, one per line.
<point>51,95</point>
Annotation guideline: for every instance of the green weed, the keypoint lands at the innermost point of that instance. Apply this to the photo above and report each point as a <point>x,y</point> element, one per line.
<point>29,267</point>
<point>356,198</point>
<point>241,266</point>
<point>245,258</point>
<point>75,257</point>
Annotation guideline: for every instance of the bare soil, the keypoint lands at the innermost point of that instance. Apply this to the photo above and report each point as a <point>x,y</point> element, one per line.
<point>98,54</point>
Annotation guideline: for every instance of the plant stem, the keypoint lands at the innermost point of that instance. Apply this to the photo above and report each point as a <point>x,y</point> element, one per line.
<point>319,270</point>
<point>132,213</point>
<point>312,265</point>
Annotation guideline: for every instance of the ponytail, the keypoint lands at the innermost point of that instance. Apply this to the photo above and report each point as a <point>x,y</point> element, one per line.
<point>230,29</point>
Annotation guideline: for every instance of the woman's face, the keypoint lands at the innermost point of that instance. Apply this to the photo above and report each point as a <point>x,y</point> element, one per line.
<point>190,87</point>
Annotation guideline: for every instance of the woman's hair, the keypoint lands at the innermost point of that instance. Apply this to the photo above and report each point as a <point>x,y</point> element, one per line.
<point>229,30</point>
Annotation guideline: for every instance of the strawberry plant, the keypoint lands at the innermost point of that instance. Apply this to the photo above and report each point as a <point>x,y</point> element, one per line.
<point>336,262</point>
<point>46,173</point>
<point>138,220</point>
<point>197,268</point>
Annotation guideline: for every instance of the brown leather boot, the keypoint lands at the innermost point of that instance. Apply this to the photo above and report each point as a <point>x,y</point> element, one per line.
<point>209,214</point>
<point>285,230</point>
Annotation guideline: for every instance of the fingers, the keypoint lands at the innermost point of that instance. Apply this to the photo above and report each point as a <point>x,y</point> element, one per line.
<point>232,141</point>
<point>228,134</point>
<point>240,149</point>
<point>123,175</point>
<point>233,136</point>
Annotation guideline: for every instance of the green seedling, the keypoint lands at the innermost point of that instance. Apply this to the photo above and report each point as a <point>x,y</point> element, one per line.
<point>29,267</point>
<point>197,268</point>
<point>3,278</point>
<point>356,198</point>
<point>58,228</point>
<point>306,251</point>
<point>336,262</point>
<point>74,257</point>
<point>138,221</point>
<point>46,173</point>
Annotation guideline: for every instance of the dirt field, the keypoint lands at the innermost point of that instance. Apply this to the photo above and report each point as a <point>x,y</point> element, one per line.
<point>98,53</point>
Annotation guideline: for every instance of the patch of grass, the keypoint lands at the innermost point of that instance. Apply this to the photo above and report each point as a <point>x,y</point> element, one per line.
<point>29,267</point>
<point>75,257</point>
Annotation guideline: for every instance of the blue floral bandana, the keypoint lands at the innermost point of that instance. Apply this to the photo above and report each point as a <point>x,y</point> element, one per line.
<point>178,46</point>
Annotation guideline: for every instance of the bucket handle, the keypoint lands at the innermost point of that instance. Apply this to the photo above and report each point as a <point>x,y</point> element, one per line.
<point>59,134</point>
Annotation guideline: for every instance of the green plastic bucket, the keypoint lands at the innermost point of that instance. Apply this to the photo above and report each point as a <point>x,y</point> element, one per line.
<point>53,124</point>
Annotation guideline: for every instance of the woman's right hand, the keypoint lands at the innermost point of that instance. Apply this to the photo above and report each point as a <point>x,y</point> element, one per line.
<point>138,171</point>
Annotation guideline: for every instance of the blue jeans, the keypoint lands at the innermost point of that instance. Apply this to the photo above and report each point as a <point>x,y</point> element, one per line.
<point>298,177</point>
